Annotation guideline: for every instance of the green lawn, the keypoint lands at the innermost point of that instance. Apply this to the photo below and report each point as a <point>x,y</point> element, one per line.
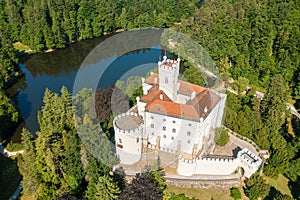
<point>200,193</point>
<point>9,177</point>
<point>281,184</point>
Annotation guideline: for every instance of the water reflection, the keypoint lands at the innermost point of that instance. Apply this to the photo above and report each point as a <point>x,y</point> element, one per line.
<point>55,69</point>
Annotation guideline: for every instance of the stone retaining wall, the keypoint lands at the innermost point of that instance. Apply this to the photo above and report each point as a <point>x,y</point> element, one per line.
<point>187,183</point>
<point>193,183</point>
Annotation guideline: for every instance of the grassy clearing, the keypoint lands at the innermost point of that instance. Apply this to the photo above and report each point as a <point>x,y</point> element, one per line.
<point>21,47</point>
<point>23,197</point>
<point>200,193</point>
<point>281,184</point>
<point>205,194</point>
<point>9,177</point>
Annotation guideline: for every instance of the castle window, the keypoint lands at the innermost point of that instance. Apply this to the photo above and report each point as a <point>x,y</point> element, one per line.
<point>172,138</point>
<point>189,141</point>
<point>164,120</point>
<point>137,140</point>
<point>174,121</point>
<point>152,125</point>
<point>120,140</point>
<point>166,79</point>
<point>165,136</point>
<point>152,117</point>
<point>189,133</point>
<point>152,133</point>
<point>164,128</point>
<point>190,124</point>
<point>174,130</point>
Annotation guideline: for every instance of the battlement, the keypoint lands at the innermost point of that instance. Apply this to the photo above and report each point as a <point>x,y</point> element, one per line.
<point>169,64</point>
<point>128,123</point>
<point>249,158</point>
<point>225,159</point>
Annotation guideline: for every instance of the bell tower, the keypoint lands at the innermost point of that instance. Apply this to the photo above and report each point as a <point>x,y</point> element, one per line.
<point>168,71</point>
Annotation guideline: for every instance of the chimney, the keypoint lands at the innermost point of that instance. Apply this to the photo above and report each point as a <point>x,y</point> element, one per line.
<point>205,109</point>
<point>193,95</point>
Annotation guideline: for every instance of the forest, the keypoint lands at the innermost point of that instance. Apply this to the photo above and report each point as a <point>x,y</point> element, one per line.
<point>256,43</point>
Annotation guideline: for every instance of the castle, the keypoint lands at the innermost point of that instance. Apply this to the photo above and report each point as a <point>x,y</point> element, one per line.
<point>180,118</point>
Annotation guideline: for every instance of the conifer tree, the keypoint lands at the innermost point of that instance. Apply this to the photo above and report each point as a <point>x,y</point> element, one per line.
<point>27,166</point>
<point>106,188</point>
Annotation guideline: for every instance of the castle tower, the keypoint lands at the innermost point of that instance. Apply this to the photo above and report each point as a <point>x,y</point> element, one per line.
<point>168,71</point>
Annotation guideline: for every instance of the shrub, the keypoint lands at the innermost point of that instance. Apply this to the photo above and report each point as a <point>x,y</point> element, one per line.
<point>14,146</point>
<point>235,193</point>
<point>223,139</point>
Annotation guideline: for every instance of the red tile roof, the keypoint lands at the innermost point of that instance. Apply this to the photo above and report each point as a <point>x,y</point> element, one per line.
<point>188,88</point>
<point>153,94</point>
<point>184,88</point>
<point>173,109</point>
<point>151,78</point>
<point>193,109</point>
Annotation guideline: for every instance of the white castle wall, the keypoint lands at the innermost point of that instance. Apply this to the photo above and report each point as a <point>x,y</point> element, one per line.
<point>219,109</point>
<point>219,166</point>
<point>186,131</point>
<point>208,166</point>
<point>128,142</point>
<point>141,107</point>
<point>250,167</point>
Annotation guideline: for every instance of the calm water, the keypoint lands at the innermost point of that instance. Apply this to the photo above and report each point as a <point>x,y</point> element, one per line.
<point>59,68</point>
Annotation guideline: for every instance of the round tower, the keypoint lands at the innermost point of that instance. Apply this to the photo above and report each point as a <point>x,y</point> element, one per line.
<point>128,137</point>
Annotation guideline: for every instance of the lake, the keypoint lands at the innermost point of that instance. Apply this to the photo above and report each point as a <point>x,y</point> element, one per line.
<point>59,68</point>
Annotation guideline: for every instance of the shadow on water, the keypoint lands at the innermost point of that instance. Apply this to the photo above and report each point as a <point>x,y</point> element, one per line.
<point>59,68</point>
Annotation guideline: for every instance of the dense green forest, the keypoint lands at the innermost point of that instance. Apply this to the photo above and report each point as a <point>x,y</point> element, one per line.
<point>253,42</point>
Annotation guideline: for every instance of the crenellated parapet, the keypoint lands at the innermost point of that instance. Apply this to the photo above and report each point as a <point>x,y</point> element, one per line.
<point>168,64</point>
<point>128,123</point>
<point>225,159</point>
<point>249,158</point>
